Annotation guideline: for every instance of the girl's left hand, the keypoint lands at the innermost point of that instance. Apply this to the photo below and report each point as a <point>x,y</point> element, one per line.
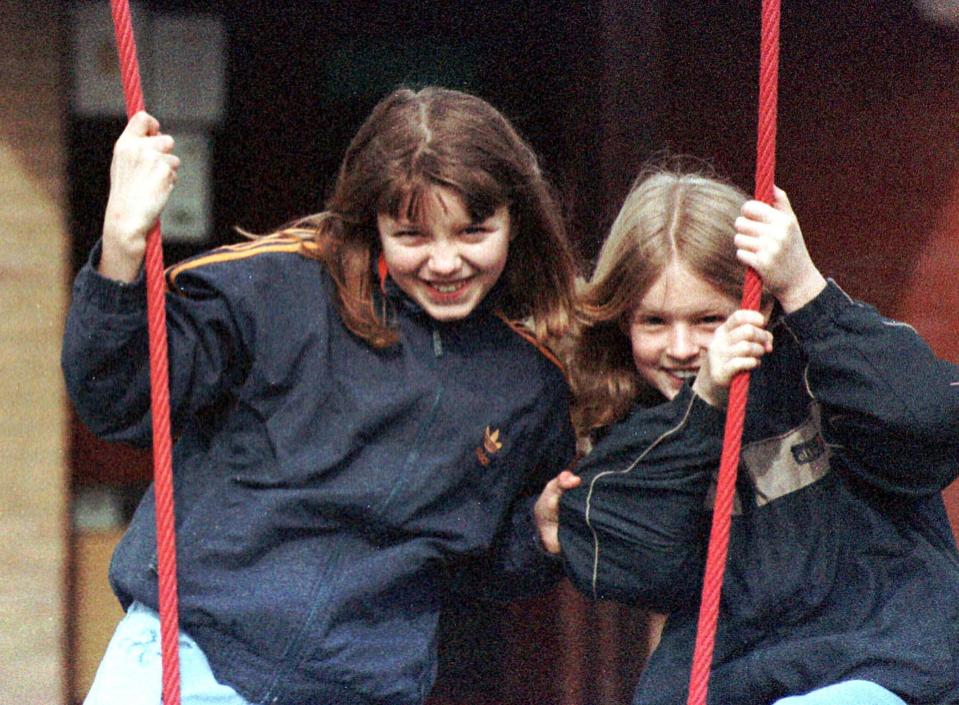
<point>769,240</point>
<point>737,346</point>
<point>546,509</point>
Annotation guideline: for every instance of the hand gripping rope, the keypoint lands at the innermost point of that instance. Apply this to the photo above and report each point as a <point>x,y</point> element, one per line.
<point>739,389</point>
<point>159,387</point>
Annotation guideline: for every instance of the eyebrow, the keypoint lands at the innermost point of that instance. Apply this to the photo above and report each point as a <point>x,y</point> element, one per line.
<point>664,313</point>
<point>403,221</point>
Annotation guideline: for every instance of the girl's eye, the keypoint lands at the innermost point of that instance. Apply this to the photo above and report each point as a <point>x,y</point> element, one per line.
<point>475,231</point>
<point>649,321</point>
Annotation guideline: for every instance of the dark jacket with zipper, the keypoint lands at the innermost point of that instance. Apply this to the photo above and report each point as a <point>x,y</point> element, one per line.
<point>842,563</point>
<point>329,496</point>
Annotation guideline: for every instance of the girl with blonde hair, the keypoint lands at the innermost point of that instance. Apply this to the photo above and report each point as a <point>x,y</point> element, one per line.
<point>842,577</point>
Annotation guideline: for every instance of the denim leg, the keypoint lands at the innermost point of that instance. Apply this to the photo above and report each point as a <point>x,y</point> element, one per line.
<point>854,692</point>
<point>130,672</point>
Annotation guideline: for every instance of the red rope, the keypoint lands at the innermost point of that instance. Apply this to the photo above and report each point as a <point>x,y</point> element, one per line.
<point>159,387</point>
<point>739,389</point>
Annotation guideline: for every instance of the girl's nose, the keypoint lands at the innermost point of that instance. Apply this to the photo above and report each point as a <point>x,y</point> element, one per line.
<point>681,345</point>
<point>444,259</point>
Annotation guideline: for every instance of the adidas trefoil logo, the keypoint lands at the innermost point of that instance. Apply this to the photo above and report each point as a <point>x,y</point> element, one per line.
<point>491,446</point>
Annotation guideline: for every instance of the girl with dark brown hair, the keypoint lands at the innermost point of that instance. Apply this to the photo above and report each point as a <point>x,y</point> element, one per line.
<point>363,419</point>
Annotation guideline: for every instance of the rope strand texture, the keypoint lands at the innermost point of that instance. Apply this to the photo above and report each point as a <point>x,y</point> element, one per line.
<point>739,389</point>
<point>159,387</point>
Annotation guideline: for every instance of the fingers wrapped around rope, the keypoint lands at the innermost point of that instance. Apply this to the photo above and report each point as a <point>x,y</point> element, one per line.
<point>769,239</point>
<point>143,173</point>
<point>737,346</point>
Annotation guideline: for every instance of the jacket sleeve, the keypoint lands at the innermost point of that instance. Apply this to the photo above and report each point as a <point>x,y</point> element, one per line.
<point>105,354</point>
<point>890,406</point>
<point>635,530</point>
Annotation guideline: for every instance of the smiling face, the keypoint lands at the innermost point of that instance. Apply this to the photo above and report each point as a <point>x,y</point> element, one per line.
<point>671,327</point>
<point>444,260</point>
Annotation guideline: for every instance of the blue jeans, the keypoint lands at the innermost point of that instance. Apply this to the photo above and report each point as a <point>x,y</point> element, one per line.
<point>845,693</point>
<point>130,672</point>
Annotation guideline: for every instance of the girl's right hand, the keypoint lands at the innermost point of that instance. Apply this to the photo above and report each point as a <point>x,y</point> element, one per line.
<point>142,175</point>
<point>737,346</point>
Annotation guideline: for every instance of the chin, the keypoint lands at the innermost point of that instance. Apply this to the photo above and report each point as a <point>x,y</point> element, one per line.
<point>448,314</point>
<point>670,392</point>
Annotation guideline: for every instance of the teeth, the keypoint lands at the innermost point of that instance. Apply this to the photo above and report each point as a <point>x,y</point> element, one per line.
<point>685,374</point>
<point>447,288</point>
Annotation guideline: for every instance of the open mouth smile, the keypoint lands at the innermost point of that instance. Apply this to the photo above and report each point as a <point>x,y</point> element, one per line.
<point>446,292</point>
<point>687,375</point>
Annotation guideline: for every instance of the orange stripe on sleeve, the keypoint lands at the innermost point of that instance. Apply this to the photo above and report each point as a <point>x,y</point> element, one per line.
<point>239,251</point>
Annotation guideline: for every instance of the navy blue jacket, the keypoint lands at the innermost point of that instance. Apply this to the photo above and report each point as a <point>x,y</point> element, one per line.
<point>841,562</point>
<point>329,496</point>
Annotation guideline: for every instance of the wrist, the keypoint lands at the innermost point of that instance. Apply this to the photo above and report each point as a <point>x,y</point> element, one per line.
<point>118,268</point>
<point>124,247</point>
<point>119,263</point>
<point>712,394</point>
<point>800,295</point>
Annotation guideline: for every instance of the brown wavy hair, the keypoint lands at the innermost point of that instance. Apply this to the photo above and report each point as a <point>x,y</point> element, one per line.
<point>668,214</point>
<point>411,142</point>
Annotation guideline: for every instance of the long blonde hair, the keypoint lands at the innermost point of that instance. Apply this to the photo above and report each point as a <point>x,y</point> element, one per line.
<point>411,142</point>
<point>667,215</point>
